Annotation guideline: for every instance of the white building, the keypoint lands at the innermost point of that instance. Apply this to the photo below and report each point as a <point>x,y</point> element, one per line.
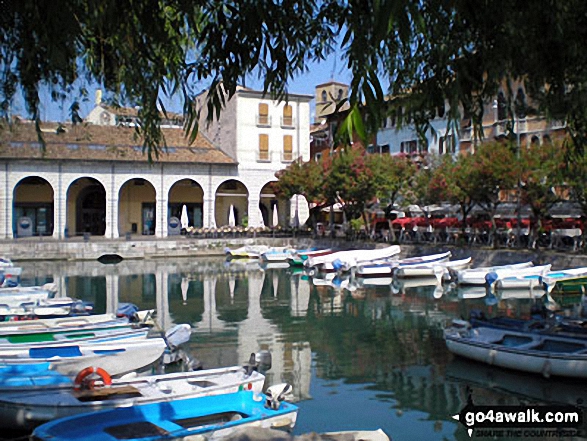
<point>94,178</point>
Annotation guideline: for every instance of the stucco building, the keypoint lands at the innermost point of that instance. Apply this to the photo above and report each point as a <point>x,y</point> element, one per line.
<point>94,178</point>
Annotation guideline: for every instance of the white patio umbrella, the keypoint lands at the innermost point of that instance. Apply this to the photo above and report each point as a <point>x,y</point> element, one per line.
<point>185,221</point>
<point>275,216</point>
<point>185,284</point>
<point>231,219</point>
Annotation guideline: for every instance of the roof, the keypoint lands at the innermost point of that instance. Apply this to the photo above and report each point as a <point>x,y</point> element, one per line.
<point>87,142</point>
<point>132,111</point>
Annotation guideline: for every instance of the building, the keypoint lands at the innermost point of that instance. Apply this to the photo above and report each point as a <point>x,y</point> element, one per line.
<point>94,178</point>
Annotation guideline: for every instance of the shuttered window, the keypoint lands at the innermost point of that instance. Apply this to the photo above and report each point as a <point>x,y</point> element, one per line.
<point>263,147</point>
<point>287,116</point>
<point>287,148</point>
<point>263,118</point>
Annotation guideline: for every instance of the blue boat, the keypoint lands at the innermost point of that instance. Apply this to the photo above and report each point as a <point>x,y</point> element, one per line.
<point>212,417</point>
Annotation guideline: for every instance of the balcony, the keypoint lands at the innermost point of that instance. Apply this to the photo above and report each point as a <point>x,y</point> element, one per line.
<point>287,157</point>
<point>263,156</point>
<point>287,122</point>
<point>263,121</point>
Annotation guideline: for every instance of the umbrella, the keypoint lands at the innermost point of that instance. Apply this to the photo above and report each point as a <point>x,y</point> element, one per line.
<point>275,216</point>
<point>185,284</point>
<point>185,222</point>
<point>231,220</point>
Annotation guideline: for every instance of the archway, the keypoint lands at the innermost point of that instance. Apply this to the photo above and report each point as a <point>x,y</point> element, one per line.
<point>233,193</point>
<point>33,206</point>
<point>189,193</point>
<point>269,204</point>
<point>86,208</point>
<point>136,209</point>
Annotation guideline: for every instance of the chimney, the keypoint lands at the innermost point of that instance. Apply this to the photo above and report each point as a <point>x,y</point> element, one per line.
<point>98,97</point>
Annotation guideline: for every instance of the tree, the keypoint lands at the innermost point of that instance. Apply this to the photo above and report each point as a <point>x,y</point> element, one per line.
<point>306,179</point>
<point>438,51</point>
<point>542,173</point>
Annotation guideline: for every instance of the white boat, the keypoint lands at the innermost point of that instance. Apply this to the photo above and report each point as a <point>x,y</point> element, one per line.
<point>16,296</point>
<point>66,324</point>
<point>513,277</point>
<point>246,252</point>
<point>117,357</point>
<point>277,254</point>
<point>432,269</point>
<point>207,418</point>
<point>25,409</point>
<point>392,267</point>
<point>476,276</point>
<point>572,275</point>
<point>345,260</point>
<point>524,351</point>
<point>49,308</point>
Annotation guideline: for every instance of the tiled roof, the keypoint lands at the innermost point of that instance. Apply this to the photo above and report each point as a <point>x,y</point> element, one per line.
<point>132,111</point>
<point>103,143</point>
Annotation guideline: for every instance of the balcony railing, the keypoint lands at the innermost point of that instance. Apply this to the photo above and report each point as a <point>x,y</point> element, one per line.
<point>263,120</point>
<point>286,156</point>
<point>263,156</point>
<point>287,122</point>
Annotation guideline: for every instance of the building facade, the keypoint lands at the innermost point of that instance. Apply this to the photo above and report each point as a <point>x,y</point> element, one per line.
<point>94,178</point>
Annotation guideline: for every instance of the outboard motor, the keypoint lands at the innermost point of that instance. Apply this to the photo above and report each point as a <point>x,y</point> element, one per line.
<point>276,394</point>
<point>127,310</point>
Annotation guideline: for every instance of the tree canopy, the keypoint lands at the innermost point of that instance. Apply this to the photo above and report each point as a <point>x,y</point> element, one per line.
<point>422,53</point>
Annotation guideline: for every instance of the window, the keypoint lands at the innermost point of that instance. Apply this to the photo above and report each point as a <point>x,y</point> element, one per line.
<point>446,145</point>
<point>263,147</point>
<point>520,103</point>
<point>340,93</point>
<point>324,96</point>
<point>409,147</point>
<point>287,119</point>
<point>287,148</point>
<point>263,117</point>
<point>501,107</point>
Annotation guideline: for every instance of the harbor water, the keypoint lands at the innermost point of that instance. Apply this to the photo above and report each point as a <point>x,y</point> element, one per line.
<point>360,354</point>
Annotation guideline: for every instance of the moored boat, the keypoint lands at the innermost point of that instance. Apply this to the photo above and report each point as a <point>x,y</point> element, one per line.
<point>476,276</point>
<point>524,351</point>
<point>116,357</point>
<point>512,277</point>
<point>246,252</point>
<point>25,408</point>
<point>422,266</point>
<point>212,417</point>
<point>565,279</point>
<point>345,260</point>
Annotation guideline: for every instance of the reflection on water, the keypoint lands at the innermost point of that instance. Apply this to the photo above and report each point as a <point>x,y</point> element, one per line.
<point>360,355</point>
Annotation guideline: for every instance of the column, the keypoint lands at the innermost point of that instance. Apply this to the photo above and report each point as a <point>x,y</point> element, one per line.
<point>59,207</point>
<point>112,203</point>
<point>6,204</point>
<point>255,218</point>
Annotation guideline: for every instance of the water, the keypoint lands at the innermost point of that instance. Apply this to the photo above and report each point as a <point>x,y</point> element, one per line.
<point>358,356</point>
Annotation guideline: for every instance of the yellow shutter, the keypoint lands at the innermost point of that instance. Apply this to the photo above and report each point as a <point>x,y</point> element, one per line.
<point>263,113</point>
<point>287,115</point>
<point>287,148</point>
<point>263,147</point>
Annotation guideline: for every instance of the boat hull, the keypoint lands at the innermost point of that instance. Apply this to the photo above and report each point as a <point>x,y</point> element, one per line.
<point>27,409</point>
<point>523,351</point>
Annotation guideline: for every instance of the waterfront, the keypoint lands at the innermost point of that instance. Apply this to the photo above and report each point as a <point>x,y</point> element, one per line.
<point>360,357</point>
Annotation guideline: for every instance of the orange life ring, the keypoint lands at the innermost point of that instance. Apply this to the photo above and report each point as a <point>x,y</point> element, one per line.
<point>83,382</point>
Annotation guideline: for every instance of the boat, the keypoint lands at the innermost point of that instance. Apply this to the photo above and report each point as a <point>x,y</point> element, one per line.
<point>246,252</point>
<point>50,308</point>
<point>345,260</point>
<point>277,255</point>
<point>565,280</point>
<point>514,277</point>
<point>66,337</point>
<point>532,352</point>
<point>116,357</point>
<point>18,295</point>
<point>209,417</point>
<point>298,257</point>
<point>393,267</point>
<point>476,276</point>
<point>433,268</point>
<point>25,408</point>
<point>66,324</point>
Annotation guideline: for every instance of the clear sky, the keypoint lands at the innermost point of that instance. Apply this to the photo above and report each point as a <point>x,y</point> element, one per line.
<point>332,68</point>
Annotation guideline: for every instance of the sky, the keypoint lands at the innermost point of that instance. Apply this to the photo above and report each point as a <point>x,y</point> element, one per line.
<point>333,68</point>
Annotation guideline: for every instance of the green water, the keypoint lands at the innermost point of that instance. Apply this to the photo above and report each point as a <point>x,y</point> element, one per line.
<point>358,356</point>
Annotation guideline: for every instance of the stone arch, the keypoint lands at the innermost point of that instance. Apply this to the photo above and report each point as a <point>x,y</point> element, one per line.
<point>235,193</point>
<point>137,207</point>
<point>85,207</point>
<point>191,194</point>
<point>33,207</point>
<point>269,203</point>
